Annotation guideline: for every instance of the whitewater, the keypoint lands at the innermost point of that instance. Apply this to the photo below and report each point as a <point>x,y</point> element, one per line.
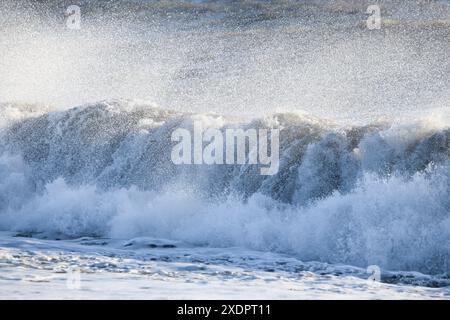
<point>86,177</point>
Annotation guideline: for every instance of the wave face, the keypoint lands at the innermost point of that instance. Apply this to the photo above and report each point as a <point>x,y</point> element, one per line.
<point>375,194</point>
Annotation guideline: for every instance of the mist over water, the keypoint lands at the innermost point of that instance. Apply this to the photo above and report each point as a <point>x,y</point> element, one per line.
<point>86,119</point>
<point>231,57</point>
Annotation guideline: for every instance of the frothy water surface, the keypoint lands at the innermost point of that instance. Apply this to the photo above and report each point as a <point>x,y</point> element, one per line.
<point>364,160</point>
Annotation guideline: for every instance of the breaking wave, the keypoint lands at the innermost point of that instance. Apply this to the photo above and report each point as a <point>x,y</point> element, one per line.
<point>361,195</point>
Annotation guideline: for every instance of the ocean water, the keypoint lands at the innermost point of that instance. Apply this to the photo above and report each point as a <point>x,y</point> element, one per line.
<point>87,115</point>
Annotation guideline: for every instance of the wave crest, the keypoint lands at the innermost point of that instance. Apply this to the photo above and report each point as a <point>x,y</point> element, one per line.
<point>376,194</point>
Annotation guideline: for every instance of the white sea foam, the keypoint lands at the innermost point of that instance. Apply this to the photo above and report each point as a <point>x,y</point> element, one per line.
<point>369,187</point>
<point>358,195</point>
